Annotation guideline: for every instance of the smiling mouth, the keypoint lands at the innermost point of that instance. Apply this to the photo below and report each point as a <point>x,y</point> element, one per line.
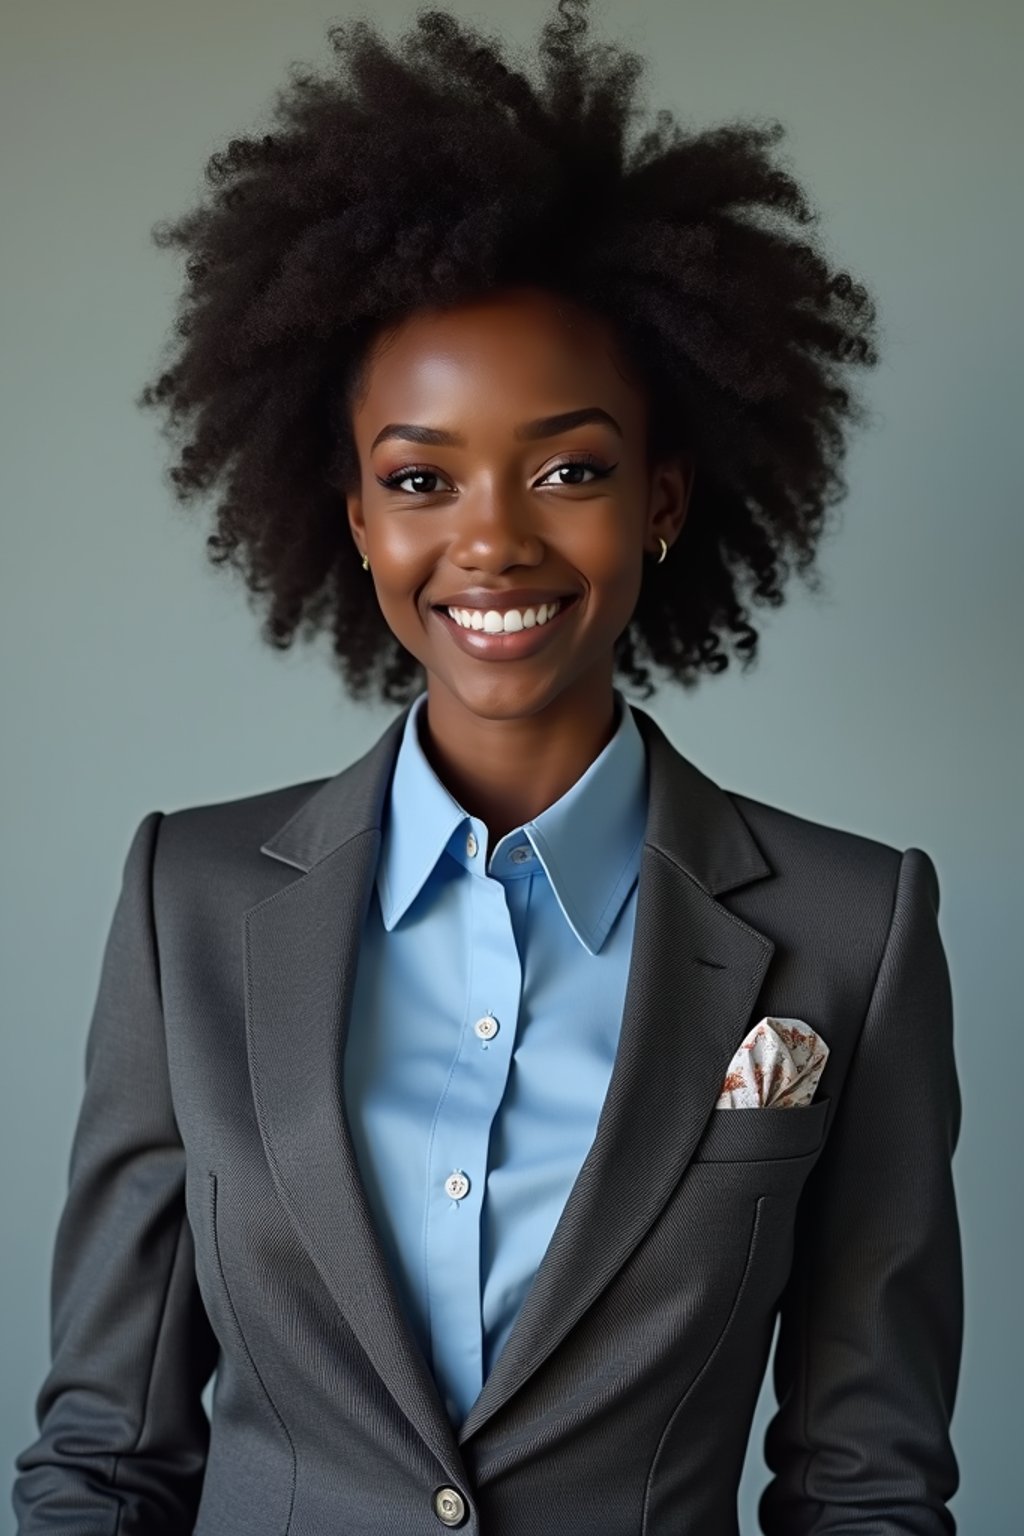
<point>491,639</point>
<point>507,621</point>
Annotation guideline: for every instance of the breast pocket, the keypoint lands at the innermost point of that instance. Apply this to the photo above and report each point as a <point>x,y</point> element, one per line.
<point>762,1135</point>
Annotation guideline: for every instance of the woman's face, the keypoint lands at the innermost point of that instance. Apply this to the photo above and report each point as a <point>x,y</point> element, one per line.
<point>492,503</point>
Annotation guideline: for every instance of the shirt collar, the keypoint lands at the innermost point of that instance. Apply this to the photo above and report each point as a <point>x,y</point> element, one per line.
<point>588,842</point>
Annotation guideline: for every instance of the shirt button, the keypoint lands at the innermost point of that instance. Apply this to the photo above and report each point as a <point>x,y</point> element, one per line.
<point>487,1027</point>
<point>521,854</point>
<point>449,1506</point>
<point>457,1185</point>
<point>471,846</point>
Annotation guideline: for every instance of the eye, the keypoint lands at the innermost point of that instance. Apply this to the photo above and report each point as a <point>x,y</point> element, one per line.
<point>411,472</point>
<point>583,461</point>
<point>393,482</point>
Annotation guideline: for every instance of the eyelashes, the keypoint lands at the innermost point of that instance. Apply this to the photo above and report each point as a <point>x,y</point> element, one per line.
<point>599,470</point>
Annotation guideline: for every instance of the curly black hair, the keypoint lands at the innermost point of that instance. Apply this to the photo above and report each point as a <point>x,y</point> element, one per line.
<point>428,171</point>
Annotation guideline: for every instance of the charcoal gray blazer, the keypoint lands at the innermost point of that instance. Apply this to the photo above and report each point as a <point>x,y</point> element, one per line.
<point>215,1220</point>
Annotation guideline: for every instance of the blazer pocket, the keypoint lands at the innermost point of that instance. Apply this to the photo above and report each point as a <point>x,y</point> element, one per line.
<point>762,1135</point>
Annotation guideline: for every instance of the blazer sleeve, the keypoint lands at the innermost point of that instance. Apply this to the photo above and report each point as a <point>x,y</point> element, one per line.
<point>123,1432</point>
<point>871,1322</point>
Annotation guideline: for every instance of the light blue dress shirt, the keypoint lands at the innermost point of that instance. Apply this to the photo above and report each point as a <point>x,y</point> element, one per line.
<point>488,998</point>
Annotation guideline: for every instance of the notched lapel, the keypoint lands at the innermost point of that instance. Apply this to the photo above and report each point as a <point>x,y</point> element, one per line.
<point>301,950</point>
<point>695,972</point>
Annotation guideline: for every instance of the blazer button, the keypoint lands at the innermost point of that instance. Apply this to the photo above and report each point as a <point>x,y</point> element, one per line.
<point>449,1506</point>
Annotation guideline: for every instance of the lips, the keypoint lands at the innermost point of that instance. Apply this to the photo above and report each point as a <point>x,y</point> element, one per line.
<point>509,646</point>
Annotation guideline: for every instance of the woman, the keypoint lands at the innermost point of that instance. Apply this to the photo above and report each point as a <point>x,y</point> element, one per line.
<point>415,1104</point>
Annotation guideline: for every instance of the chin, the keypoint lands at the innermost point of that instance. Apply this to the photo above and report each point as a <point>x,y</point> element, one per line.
<point>503,698</point>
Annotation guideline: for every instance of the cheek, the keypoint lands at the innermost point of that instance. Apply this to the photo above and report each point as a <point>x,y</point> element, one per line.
<point>402,561</point>
<point>607,551</point>
<point>405,546</point>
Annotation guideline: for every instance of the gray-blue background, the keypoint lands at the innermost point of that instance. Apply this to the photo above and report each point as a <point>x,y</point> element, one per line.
<point>133,678</point>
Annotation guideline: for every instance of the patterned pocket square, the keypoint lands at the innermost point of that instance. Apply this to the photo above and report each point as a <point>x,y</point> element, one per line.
<point>776,1067</point>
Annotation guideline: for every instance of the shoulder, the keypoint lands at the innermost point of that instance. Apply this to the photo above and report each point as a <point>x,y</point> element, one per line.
<point>300,822</point>
<point>799,844</point>
<point>835,857</point>
<point>737,842</point>
<point>833,892</point>
<point>207,864</point>
<point>228,829</point>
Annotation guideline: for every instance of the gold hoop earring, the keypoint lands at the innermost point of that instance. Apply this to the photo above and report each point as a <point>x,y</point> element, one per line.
<point>366,564</point>
<point>664,549</point>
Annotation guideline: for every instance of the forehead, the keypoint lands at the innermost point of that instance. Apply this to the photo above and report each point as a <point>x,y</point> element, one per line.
<point>524,343</point>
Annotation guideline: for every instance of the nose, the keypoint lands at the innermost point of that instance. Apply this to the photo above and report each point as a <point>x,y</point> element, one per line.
<point>493,529</point>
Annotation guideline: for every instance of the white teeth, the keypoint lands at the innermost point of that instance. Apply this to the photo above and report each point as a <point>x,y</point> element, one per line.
<point>495,622</point>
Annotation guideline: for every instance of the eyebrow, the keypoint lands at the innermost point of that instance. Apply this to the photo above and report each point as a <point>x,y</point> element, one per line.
<point>526,432</point>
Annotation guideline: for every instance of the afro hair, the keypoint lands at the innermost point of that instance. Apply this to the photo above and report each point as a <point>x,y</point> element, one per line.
<point>431,170</point>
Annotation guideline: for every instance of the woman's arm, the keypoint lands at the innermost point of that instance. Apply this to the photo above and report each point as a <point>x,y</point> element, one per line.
<point>871,1323</point>
<point>123,1433</point>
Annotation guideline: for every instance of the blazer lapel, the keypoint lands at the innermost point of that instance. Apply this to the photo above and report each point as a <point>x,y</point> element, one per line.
<point>695,973</point>
<point>301,948</point>
<point>694,976</point>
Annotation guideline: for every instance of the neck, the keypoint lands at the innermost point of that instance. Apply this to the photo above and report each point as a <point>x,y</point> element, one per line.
<point>506,771</point>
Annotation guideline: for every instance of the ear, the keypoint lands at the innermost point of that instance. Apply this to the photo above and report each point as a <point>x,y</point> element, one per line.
<point>354,508</point>
<point>671,490</point>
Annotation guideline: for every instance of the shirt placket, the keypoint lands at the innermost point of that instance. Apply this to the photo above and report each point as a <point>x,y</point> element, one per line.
<point>456,1169</point>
